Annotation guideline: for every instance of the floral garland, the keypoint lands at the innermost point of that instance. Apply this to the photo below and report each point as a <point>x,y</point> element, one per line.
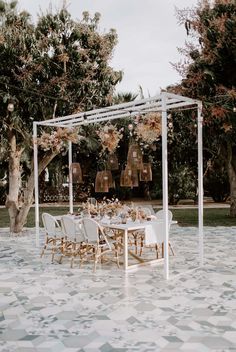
<point>148,127</point>
<point>56,140</point>
<point>110,137</point>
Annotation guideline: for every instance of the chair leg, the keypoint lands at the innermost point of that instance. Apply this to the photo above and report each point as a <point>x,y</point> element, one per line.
<point>42,253</point>
<point>97,254</point>
<point>141,246</point>
<point>171,248</point>
<point>117,255</point>
<point>72,261</point>
<point>44,248</point>
<point>53,255</point>
<point>157,248</point>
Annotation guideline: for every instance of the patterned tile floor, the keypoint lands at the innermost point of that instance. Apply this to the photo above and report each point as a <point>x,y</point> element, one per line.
<point>49,307</point>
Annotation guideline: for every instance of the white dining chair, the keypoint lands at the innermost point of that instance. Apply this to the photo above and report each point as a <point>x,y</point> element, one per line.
<point>74,244</point>
<point>98,244</point>
<point>159,234</point>
<point>160,215</point>
<point>53,234</point>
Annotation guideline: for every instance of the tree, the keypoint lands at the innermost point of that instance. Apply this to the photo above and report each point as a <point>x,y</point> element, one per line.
<point>57,67</point>
<point>210,76</point>
<point>124,97</point>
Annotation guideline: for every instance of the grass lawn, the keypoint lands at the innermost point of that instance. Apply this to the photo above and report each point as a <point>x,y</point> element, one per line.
<point>185,217</point>
<point>212,217</point>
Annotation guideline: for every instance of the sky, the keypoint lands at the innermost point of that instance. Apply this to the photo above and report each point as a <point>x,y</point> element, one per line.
<point>148,35</point>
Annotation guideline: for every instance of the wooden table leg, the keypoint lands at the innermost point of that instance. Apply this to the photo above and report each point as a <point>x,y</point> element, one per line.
<point>126,264</point>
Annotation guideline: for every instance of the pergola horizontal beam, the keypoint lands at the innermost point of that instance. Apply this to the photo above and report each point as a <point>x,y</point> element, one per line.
<point>119,111</point>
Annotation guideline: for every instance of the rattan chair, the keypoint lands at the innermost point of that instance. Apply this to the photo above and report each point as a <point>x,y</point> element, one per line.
<point>98,244</point>
<point>53,234</point>
<point>74,244</point>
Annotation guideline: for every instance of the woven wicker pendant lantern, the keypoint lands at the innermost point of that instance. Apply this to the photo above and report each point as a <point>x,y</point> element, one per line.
<point>122,178</point>
<point>134,176</point>
<point>101,183</point>
<point>135,157</point>
<point>126,178</point>
<point>76,173</point>
<point>107,175</point>
<point>112,162</point>
<point>146,172</point>
<point>135,180</point>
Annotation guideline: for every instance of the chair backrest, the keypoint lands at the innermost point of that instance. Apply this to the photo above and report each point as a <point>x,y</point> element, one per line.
<point>160,215</point>
<point>148,209</point>
<point>92,230</point>
<point>50,224</point>
<point>71,229</point>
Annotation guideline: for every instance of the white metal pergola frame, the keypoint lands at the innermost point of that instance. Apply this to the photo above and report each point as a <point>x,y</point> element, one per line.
<point>163,103</point>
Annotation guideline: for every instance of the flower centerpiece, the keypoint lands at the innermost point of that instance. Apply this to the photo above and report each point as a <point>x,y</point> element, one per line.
<point>137,214</point>
<point>89,209</point>
<point>106,207</point>
<point>110,207</point>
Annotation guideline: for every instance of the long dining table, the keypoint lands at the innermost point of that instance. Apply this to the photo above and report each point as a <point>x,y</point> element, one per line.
<point>131,227</point>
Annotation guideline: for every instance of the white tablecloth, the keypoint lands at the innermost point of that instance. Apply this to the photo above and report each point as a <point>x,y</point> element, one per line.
<point>154,232</point>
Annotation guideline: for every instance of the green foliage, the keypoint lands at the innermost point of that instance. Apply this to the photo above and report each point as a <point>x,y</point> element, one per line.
<point>58,67</point>
<point>182,184</point>
<point>123,97</point>
<point>216,183</point>
<point>210,76</point>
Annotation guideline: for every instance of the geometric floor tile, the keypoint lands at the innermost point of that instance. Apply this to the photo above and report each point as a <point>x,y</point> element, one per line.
<point>48,307</point>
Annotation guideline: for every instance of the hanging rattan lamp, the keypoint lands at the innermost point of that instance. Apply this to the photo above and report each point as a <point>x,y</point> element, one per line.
<point>101,182</point>
<point>106,174</point>
<point>135,157</point>
<point>126,178</point>
<point>133,174</point>
<point>135,180</point>
<point>146,172</point>
<point>112,162</point>
<point>76,173</point>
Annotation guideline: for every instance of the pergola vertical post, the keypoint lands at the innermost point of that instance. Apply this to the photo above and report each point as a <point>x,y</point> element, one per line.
<point>70,178</point>
<point>36,183</point>
<point>200,184</point>
<point>165,185</point>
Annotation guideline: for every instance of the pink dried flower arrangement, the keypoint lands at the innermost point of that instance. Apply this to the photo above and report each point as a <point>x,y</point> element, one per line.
<point>110,137</point>
<point>148,128</point>
<point>56,140</point>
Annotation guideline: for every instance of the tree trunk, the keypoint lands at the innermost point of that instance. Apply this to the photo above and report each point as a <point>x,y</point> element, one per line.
<point>12,201</point>
<point>232,178</point>
<point>18,212</point>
